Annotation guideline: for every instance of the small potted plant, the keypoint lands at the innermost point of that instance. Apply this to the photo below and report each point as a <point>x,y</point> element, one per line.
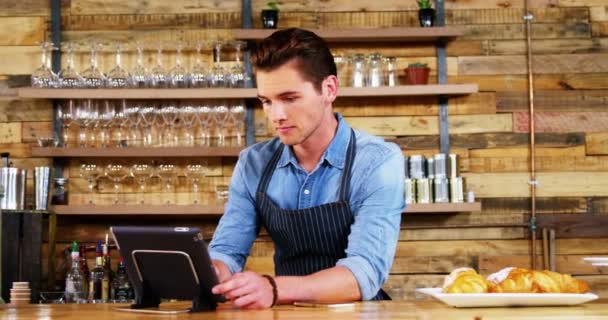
<point>426,14</point>
<point>417,73</point>
<point>270,16</point>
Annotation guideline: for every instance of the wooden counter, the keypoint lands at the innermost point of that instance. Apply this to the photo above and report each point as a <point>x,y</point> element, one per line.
<point>403,310</point>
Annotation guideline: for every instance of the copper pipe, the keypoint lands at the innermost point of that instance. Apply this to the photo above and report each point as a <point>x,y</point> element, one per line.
<point>533,183</point>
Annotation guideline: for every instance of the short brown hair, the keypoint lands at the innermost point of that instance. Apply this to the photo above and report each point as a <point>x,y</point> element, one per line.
<point>313,57</point>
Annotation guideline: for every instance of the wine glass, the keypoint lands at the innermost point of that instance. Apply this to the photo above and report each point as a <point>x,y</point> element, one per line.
<point>195,172</point>
<point>158,77</point>
<point>147,115</point>
<point>187,115</point>
<point>204,114</point>
<point>141,172</point>
<point>86,113</point>
<point>69,77</point>
<point>133,120</point>
<point>66,114</point>
<point>118,77</point>
<point>116,172</point>
<point>178,76</point>
<point>218,74</point>
<point>168,174</point>
<point>106,116</point>
<point>221,115</point>
<point>237,114</point>
<point>237,72</point>
<point>43,77</point>
<point>91,173</point>
<point>198,74</point>
<point>119,123</point>
<point>169,113</point>
<point>139,77</point>
<point>92,77</point>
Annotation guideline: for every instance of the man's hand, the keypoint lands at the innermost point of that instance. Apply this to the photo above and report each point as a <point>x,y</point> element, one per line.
<point>246,290</point>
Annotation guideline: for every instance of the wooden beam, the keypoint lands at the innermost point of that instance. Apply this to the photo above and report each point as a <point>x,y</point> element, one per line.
<point>25,110</point>
<point>79,7</point>
<point>138,152</point>
<point>510,31</point>
<point>543,64</point>
<point>547,46</point>
<point>492,140</point>
<point>575,225</point>
<point>10,132</point>
<point>598,13</point>
<point>22,31</point>
<point>509,82</point>
<point>551,184</point>
<point>543,164</point>
<point>23,59</point>
<point>504,206</point>
<point>570,264</point>
<point>554,100</point>
<point>561,121</point>
<point>390,126</point>
<point>134,21</point>
<point>512,15</point>
<point>597,143</point>
<point>577,151</point>
<point>17,8</point>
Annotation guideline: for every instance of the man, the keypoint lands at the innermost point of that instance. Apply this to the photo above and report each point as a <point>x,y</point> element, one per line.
<point>329,196</point>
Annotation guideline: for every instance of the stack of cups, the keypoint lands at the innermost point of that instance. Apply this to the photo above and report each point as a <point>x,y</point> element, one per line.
<point>42,187</point>
<point>21,294</point>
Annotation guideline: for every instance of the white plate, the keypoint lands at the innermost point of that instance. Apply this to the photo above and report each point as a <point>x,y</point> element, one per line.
<point>467,300</point>
<point>597,261</point>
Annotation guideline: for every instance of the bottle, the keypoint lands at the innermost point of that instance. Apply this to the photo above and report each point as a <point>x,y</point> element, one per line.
<point>121,287</point>
<point>99,284</point>
<point>84,266</point>
<point>107,267</point>
<point>75,280</point>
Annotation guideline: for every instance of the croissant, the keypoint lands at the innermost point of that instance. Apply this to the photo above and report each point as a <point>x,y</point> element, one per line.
<point>520,280</point>
<point>465,280</point>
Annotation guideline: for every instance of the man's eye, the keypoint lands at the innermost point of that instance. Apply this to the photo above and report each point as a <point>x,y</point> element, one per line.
<point>289,99</point>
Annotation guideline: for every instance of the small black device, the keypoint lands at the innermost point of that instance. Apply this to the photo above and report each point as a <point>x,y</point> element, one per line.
<point>167,263</point>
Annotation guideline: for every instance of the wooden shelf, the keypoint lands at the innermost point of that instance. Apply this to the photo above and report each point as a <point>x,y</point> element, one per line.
<point>443,207</point>
<point>124,210</point>
<point>365,34</point>
<point>217,210</point>
<point>410,90</point>
<point>192,93</point>
<point>137,152</point>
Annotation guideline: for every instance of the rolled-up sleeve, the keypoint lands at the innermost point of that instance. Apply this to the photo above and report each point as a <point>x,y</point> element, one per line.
<point>238,227</point>
<point>377,205</point>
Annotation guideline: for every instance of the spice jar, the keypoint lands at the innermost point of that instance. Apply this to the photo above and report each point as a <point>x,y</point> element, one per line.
<point>60,192</point>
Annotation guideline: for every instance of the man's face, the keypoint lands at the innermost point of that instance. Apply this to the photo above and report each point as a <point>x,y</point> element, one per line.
<point>291,103</point>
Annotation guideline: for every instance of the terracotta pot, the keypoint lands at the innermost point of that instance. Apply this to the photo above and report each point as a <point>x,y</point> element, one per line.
<point>417,75</point>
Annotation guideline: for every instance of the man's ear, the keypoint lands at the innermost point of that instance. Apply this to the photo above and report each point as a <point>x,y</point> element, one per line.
<point>329,88</point>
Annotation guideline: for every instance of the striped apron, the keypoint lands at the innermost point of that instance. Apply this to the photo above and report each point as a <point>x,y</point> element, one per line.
<point>311,239</point>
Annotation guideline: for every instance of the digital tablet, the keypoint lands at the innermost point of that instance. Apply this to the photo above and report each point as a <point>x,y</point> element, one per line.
<point>167,263</point>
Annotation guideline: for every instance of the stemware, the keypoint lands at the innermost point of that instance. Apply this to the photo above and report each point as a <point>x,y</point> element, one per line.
<point>195,172</point>
<point>43,77</point>
<point>147,115</point>
<point>139,77</point>
<point>237,115</point>
<point>158,76</point>
<point>116,172</point>
<point>218,74</point>
<point>169,113</point>
<point>141,172</point>
<point>106,115</point>
<point>92,77</point>
<point>90,172</point>
<point>120,121</point>
<point>118,77</point>
<point>86,114</point>
<point>133,120</point>
<point>69,77</point>
<point>198,74</point>
<point>187,117</point>
<point>222,116</point>
<point>204,114</point>
<point>237,72</point>
<point>67,115</point>
<point>168,175</point>
<point>178,76</point>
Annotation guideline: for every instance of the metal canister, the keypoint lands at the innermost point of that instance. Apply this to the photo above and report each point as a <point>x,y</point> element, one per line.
<point>406,167</point>
<point>441,190</point>
<point>430,168</point>
<point>440,165</point>
<point>456,190</point>
<point>453,165</point>
<point>424,191</point>
<point>417,167</point>
<point>410,191</point>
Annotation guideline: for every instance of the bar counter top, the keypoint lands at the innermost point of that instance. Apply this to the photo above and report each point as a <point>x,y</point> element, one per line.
<point>386,310</point>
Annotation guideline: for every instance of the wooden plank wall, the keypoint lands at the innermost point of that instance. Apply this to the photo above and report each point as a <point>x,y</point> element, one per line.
<point>489,129</point>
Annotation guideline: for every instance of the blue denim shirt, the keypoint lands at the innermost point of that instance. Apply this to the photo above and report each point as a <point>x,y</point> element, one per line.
<point>376,201</point>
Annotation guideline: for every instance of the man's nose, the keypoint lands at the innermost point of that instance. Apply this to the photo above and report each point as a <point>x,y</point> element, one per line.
<point>277,112</point>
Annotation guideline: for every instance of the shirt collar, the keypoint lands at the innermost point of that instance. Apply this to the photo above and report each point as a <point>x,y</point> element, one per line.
<point>335,153</point>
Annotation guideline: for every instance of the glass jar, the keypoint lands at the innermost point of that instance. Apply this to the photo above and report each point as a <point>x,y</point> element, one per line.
<point>342,69</point>
<point>375,76</point>
<point>60,192</point>
<point>391,71</point>
<point>357,77</point>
